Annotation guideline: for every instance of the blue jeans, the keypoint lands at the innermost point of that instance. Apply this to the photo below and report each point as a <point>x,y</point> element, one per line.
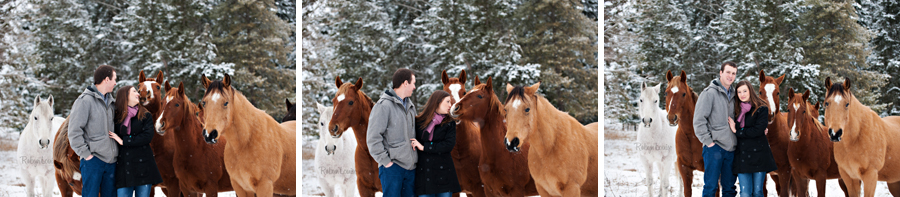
<point>396,181</point>
<point>752,184</point>
<point>139,191</point>
<point>445,194</point>
<point>97,177</point>
<point>718,163</point>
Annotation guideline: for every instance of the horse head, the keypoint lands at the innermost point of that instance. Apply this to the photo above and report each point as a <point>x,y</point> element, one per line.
<point>769,91</point>
<point>475,105</point>
<point>649,103</point>
<point>678,94</point>
<point>178,107</point>
<point>40,121</point>
<point>218,103</point>
<point>291,111</point>
<point>455,86</point>
<point>798,108</point>
<point>325,114</point>
<point>150,89</point>
<point>521,111</point>
<point>349,104</point>
<point>838,102</point>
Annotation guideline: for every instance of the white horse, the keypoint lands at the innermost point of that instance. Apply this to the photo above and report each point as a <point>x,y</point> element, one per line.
<point>655,140</point>
<point>34,154</point>
<point>335,157</point>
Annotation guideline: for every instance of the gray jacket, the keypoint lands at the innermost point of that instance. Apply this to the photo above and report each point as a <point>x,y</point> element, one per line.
<point>390,127</point>
<point>711,116</point>
<point>89,121</point>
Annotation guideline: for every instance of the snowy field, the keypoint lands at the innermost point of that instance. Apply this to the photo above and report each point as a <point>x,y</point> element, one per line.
<point>625,173</point>
<point>11,185</point>
<point>310,180</point>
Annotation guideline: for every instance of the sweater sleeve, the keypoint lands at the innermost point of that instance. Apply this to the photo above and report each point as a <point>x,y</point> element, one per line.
<point>701,118</point>
<point>376,133</point>
<point>756,128</point>
<point>77,122</point>
<point>446,145</point>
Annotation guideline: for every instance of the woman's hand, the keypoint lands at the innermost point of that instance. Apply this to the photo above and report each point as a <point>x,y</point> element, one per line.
<point>115,137</point>
<point>416,144</point>
<point>731,125</point>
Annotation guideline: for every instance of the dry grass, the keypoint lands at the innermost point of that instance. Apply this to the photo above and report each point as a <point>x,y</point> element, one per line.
<point>8,144</point>
<point>308,153</point>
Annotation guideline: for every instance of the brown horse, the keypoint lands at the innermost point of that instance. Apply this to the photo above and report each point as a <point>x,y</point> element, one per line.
<point>680,103</point>
<point>66,162</point>
<point>563,156</point>
<point>864,143</point>
<point>260,155</point>
<point>468,143</point>
<point>769,90</point>
<point>352,111</point>
<point>198,166</point>
<point>503,173</point>
<point>809,152</point>
<point>150,96</point>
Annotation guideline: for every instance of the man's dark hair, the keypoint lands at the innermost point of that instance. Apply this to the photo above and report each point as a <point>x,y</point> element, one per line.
<point>401,75</point>
<point>102,73</point>
<point>728,63</point>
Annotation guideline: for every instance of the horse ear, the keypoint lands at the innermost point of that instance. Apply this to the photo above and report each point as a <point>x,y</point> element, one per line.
<point>790,93</point>
<point>227,81</point>
<point>669,75</point>
<point>181,88</point>
<point>847,84</point>
<point>169,87</point>
<point>533,88</point>
<point>509,88</point>
<point>50,99</point>
<point>288,103</point>
<point>338,82</point>
<point>205,81</point>
<point>779,80</point>
<point>683,77</point>
<point>762,75</point>
<point>462,77</point>
<point>643,86</point>
<point>817,105</point>
<point>159,77</point>
<point>320,107</point>
<point>358,85</point>
<point>477,82</point>
<point>444,78</point>
<point>37,99</point>
<point>490,85</point>
<point>827,84</point>
<point>806,95</point>
<point>657,87</point>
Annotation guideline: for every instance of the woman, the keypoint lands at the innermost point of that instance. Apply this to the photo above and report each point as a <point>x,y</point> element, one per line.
<point>435,138</point>
<point>136,170</point>
<point>752,157</point>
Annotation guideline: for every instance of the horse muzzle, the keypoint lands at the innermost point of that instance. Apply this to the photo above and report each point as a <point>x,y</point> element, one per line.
<point>835,137</point>
<point>334,132</point>
<point>330,149</point>
<point>44,143</point>
<point>647,121</point>
<point>210,138</point>
<point>453,113</point>
<point>673,120</point>
<point>512,146</point>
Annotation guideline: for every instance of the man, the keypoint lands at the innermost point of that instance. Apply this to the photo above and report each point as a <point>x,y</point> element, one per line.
<point>714,108</point>
<point>90,125</point>
<point>391,136</point>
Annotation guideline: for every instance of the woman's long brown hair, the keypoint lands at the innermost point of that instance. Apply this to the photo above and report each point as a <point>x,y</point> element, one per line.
<point>122,105</point>
<point>755,101</point>
<point>424,118</point>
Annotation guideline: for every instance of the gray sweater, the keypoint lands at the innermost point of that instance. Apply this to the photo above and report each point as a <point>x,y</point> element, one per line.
<point>391,126</point>
<point>89,122</point>
<point>711,116</point>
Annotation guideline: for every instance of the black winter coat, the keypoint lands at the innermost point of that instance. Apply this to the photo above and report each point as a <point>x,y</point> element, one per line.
<point>753,153</point>
<point>135,165</point>
<point>435,172</point>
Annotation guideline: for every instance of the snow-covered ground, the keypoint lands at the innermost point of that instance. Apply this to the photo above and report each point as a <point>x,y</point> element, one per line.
<point>310,179</point>
<point>625,174</point>
<point>11,183</point>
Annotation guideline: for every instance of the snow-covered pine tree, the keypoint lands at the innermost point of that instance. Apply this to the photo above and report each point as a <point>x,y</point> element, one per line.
<point>319,60</point>
<point>881,18</point>
<point>621,58</point>
<point>18,62</point>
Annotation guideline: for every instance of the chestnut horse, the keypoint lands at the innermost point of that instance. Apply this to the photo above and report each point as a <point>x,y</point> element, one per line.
<point>66,163</point>
<point>563,157</point>
<point>468,143</point>
<point>864,143</point>
<point>809,151</point>
<point>503,173</point>
<point>260,155</point>
<point>291,111</point>
<point>351,110</point>
<point>680,103</point>
<point>198,166</point>
<point>150,96</point>
<point>769,90</point>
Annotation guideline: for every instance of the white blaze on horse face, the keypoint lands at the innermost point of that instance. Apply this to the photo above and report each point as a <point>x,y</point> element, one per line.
<point>340,98</point>
<point>215,97</point>
<point>837,99</point>
<point>516,104</point>
<point>454,90</point>
<point>769,89</point>
<point>168,98</point>
<point>796,106</point>
<point>794,130</point>
<point>158,120</point>
<point>675,89</point>
<point>149,86</point>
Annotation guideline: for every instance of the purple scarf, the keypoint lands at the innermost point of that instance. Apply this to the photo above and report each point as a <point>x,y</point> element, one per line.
<point>434,121</point>
<point>132,111</point>
<point>745,107</point>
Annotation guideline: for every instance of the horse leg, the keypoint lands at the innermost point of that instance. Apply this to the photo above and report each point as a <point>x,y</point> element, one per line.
<point>29,183</point>
<point>648,171</point>
<point>894,188</point>
<point>784,179</point>
<point>870,179</point>
<point>327,187</point>
<point>687,178</point>
<point>664,179</point>
<point>820,184</point>
<point>349,188</point>
<point>364,190</point>
<point>47,185</point>
<point>844,187</point>
<point>801,185</point>
<point>64,188</point>
<point>239,191</point>
<point>777,185</point>
<point>572,189</point>
<point>265,188</point>
<point>852,184</point>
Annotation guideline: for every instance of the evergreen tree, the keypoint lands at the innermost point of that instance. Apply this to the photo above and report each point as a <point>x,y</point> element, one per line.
<point>18,62</point>
<point>319,62</point>
<point>880,17</point>
<point>621,62</point>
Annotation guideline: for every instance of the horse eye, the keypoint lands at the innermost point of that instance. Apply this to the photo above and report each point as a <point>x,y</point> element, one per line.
<point>351,102</point>
<point>826,104</point>
<point>642,100</point>
<point>527,109</point>
<point>176,104</point>
<point>323,124</point>
<point>847,105</point>
<point>479,96</point>
<point>226,104</point>
<point>656,101</point>
<point>464,94</point>
<point>683,94</point>
<point>203,103</point>
<point>35,118</point>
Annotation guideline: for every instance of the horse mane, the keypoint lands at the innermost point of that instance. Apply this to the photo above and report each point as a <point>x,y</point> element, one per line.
<point>61,142</point>
<point>838,87</point>
<point>517,92</point>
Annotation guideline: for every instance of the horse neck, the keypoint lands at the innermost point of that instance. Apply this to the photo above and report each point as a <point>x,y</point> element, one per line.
<point>811,127</point>
<point>545,135</point>
<point>686,114</point>
<point>241,127</point>
<point>190,126</point>
<point>493,131</point>
<point>856,121</point>
<point>360,129</point>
